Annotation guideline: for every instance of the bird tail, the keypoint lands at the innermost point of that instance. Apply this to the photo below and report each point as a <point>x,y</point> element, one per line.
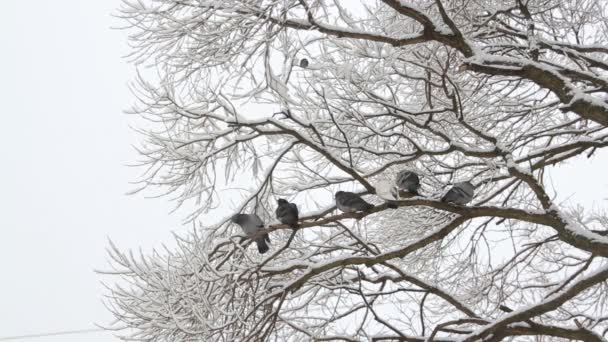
<point>262,245</point>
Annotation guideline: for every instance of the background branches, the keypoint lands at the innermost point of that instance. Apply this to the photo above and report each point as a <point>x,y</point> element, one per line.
<point>493,92</point>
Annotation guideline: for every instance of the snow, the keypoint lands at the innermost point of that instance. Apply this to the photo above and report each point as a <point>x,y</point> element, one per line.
<point>579,95</point>
<point>526,308</point>
<point>289,265</point>
<point>351,72</point>
<point>576,229</point>
<point>512,164</point>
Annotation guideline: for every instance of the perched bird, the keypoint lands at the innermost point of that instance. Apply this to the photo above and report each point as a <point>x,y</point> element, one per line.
<point>408,181</point>
<point>251,223</point>
<point>303,63</point>
<point>287,213</point>
<point>387,190</point>
<point>460,194</point>
<point>349,202</point>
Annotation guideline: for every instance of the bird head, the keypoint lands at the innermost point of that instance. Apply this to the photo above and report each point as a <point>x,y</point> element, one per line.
<point>236,218</point>
<point>339,193</point>
<point>281,201</point>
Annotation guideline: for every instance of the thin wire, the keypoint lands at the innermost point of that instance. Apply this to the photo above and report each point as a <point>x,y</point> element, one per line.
<point>59,333</point>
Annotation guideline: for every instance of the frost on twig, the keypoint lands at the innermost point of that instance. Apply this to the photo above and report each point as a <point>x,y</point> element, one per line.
<point>496,93</point>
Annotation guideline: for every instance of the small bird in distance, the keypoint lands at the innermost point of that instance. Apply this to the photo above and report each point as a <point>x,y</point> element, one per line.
<point>460,194</point>
<point>408,181</point>
<point>251,224</point>
<point>350,202</point>
<point>287,213</point>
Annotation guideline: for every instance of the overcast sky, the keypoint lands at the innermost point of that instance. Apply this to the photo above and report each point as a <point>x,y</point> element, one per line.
<point>65,145</point>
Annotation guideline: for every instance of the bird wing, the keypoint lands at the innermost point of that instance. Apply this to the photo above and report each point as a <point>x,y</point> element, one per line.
<point>468,189</point>
<point>257,221</point>
<point>353,200</point>
<point>281,211</point>
<point>457,195</point>
<point>449,196</point>
<point>460,191</point>
<point>408,179</point>
<point>294,208</point>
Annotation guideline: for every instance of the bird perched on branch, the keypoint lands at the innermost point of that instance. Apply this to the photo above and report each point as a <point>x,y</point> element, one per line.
<point>350,202</point>
<point>387,190</point>
<point>408,181</point>
<point>287,213</point>
<point>251,224</point>
<point>460,194</point>
<point>304,63</point>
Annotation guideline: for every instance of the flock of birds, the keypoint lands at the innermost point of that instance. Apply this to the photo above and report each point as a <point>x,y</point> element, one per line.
<point>349,202</point>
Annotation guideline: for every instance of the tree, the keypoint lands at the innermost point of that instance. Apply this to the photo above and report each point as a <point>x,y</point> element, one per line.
<point>496,92</point>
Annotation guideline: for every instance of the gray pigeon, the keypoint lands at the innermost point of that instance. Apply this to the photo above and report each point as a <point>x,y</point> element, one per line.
<point>460,194</point>
<point>304,63</point>
<point>350,202</point>
<point>287,213</point>
<point>251,223</point>
<point>408,181</point>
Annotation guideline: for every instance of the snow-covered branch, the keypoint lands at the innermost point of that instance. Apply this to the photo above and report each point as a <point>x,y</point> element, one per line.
<point>249,101</point>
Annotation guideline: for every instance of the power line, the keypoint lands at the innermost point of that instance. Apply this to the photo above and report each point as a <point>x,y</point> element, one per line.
<point>58,333</point>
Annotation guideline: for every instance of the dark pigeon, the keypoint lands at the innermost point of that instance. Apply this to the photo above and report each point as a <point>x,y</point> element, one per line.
<point>251,223</point>
<point>460,194</point>
<point>287,213</point>
<point>408,181</point>
<point>350,202</point>
<point>304,63</point>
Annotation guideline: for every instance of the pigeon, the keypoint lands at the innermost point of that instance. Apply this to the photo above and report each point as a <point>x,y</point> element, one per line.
<point>408,181</point>
<point>388,191</point>
<point>304,63</point>
<point>287,213</point>
<point>349,202</point>
<point>460,194</point>
<point>251,223</point>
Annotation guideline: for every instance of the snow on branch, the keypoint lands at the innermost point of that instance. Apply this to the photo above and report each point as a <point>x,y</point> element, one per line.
<point>438,121</point>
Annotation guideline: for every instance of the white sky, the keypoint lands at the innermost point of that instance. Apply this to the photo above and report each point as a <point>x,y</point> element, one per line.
<point>64,146</point>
